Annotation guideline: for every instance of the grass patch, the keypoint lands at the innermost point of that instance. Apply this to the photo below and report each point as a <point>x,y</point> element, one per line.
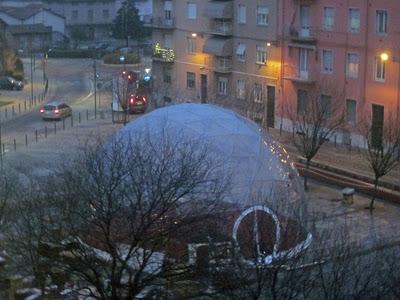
<point>3,103</point>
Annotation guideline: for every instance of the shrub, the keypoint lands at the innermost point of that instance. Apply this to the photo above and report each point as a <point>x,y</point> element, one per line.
<point>90,53</point>
<point>113,58</point>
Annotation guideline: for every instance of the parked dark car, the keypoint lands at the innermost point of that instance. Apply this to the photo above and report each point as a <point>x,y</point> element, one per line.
<point>10,83</point>
<point>137,104</point>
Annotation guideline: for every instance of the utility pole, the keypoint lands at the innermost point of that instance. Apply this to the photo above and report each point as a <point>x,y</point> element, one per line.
<point>31,76</point>
<point>95,87</point>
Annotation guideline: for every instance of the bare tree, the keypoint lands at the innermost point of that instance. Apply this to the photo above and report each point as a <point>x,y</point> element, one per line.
<point>320,112</point>
<point>124,208</point>
<point>383,149</point>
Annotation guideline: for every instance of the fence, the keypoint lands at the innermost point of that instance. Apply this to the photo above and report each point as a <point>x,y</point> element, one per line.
<point>14,143</point>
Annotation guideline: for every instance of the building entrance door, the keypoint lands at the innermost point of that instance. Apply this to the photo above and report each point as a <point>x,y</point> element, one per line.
<point>270,106</point>
<point>377,125</point>
<point>203,80</point>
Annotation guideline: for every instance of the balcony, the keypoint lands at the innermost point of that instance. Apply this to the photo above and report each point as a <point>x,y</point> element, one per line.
<point>294,74</point>
<point>219,10</point>
<point>302,35</point>
<point>161,23</point>
<point>163,54</point>
<point>221,27</point>
<point>223,65</point>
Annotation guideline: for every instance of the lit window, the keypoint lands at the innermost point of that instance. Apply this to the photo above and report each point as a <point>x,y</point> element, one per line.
<point>381,21</point>
<point>329,18</point>
<point>191,10</point>
<point>380,69</point>
<point>222,85</point>
<point>258,93</point>
<point>261,57</point>
<point>354,20</point>
<point>242,14</point>
<point>352,65</point>
<point>190,80</point>
<point>262,15</point>
<point>240,89</point>
<point>327,61</point>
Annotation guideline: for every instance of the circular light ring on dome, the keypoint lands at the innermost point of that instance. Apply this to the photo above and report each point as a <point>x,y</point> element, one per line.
<point>268,259</point>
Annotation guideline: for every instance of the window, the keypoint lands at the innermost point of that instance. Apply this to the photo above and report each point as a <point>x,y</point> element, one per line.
<point>380,69</point>
<point>242,14</point>
<point>354,20</point>
<point>167,41</point>
<point>326,105</point>
<point>167,74</point>
<point>381,21</point>
<point>74,15</point>
<point>351,106</point>
<point>258,93</point>
<point>241,52</point>
<point>90,15</point>
<point>329,18</point>
<point>261,57</point>
<point>191,10</point>
<point>222,85</point>
<point>262,15</point>
<point>240,89</point>
<point>302,101</point>
<point>327,61</point>
<point>191,45</point>
<point>106,13</point>
<point>352,65</point>
<point>190,80</point>
<point>168,11</point>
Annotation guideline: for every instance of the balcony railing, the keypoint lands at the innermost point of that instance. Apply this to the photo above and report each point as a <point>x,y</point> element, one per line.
<point>223,64</point>
<point>302,34</point>
<point>221,28</point>
<point>161,23</point>
<point>163,54</point>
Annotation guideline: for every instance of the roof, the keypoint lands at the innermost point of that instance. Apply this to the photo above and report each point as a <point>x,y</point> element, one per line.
<point>25,12</point>
<point>31,28</point>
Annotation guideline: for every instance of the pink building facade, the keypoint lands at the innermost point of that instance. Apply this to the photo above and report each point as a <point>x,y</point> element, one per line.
<point>347,49</point>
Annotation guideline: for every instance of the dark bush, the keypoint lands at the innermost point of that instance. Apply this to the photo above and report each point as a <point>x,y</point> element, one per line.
<point>90,53</point>
<point>113,58</point>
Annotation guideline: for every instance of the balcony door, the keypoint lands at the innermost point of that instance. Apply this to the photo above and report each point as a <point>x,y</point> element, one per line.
<point>303,63</point>
<point>304,20</point>
<point>203,83</point>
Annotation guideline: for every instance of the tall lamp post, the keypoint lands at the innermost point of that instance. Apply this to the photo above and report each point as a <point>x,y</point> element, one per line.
<point>95,87</point>
<point>31,77</point>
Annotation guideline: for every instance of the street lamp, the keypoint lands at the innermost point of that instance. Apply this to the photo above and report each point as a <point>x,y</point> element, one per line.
<point>95,87</point>
<point>384,56</point>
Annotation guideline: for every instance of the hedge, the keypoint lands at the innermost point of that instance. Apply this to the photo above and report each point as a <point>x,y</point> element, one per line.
<point>113,58</point>
<point>91,53</point>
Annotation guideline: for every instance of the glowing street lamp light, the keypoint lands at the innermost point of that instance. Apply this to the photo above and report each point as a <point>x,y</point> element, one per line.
<point>194,34</point>
<point>384,56</point>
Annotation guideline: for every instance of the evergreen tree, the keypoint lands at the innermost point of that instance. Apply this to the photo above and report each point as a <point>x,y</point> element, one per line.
<point>127,24</point>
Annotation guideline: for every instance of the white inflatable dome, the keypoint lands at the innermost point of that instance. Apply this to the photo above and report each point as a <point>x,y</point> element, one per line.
<point>260,168</point>
<point>263,178</point>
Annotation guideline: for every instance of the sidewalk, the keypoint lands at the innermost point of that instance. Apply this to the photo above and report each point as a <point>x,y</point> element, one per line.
<point>340,157</point>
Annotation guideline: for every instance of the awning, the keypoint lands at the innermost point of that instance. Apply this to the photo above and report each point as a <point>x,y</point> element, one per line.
<point>218,47</point>
<point>219,10</point>
<point>241,49</point>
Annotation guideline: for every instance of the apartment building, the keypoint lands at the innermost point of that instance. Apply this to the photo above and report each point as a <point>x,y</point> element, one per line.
<point>264,58</point>
<point>224,52</point>
<point>350,48</point>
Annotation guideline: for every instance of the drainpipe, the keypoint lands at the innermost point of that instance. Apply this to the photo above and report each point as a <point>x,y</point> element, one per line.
<point>363,92</point>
